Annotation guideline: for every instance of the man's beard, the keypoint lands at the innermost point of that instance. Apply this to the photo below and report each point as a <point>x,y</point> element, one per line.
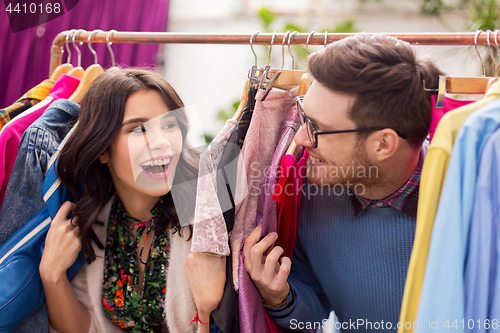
<point>355,176</point>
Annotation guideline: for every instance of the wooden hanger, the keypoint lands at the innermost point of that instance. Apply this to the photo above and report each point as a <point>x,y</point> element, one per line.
<point>60,70</point>
<point>287,78</point>
<point>89,76</point>
<point>244,97</point>
<point>305,83</point>
<point>467,85</point>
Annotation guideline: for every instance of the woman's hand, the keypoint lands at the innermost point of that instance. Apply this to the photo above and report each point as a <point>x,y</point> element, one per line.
<point>206,276</point>
<point>62,245</point>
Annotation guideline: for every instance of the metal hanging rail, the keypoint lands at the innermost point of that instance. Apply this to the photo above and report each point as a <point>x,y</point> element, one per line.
<point>462,38</point>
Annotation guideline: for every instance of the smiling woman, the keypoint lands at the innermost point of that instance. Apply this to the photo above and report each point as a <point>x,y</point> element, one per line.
<point>126,152</point>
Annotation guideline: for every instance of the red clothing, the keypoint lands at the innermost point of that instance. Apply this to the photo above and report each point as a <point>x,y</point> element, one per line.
<point>449,104</point>
<point>11,133</point>
<point>288,195</point>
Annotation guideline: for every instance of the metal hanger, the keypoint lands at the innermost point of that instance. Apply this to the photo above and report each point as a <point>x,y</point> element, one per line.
<point>89,75</point>
<point>63,68</point>
<point>108,43</point>
<point>77,71</point>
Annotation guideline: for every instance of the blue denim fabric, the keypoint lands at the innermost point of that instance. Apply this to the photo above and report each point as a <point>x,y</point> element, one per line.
<point>23,198</point>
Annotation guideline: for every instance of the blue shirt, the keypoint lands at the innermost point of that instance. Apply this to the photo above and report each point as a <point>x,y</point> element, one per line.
<point>443,297</point>
<point>481,264</point>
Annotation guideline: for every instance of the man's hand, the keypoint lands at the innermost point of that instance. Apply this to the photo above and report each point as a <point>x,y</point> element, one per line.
<point>206,276</point>
<point>268,272</point>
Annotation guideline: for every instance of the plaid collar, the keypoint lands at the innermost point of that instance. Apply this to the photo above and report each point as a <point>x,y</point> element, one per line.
<point>405,199</point>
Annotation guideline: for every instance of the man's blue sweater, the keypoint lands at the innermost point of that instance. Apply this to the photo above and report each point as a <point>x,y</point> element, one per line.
<point>355,266</point>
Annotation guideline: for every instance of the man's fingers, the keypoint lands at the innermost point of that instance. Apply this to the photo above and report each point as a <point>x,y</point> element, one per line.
<point>250,241</point>
<point>272,262</point>
<point>257,253</point>
<point>284,270</point>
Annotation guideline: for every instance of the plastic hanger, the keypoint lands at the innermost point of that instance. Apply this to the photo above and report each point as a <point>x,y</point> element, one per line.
<point>77,71</point>
<point>89,75</point>
<point>63,68</point>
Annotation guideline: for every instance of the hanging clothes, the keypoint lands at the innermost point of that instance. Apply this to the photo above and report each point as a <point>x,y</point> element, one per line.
<point>209,229</point>
<point>482,301</point>
<point>250,303</point>
<point>431,184</point>
<point>227,178</point>
<point>288,195</point>
<point>23,197</point>
<point>449,104</point>
<point>29,99</point>
<point>10,135</point>
<point>442,296</point>
<point>257,153</point>
<point>267,209</point>
<point>226,317</point>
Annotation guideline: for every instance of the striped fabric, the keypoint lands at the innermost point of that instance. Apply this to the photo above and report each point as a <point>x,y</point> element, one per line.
<point>29,99</point>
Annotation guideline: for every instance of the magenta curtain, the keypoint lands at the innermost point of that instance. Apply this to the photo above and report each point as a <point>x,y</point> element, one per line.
<point>25,55</point>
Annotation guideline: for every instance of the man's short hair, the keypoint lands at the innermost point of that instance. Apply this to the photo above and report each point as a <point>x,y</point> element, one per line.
<point>386,78</point>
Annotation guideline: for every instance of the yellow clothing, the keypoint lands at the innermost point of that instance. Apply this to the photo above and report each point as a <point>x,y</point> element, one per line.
<point>32,97</point>
<point>431,184</point>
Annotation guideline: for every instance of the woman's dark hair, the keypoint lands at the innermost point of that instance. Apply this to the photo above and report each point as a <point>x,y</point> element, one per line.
<point>99,121</point>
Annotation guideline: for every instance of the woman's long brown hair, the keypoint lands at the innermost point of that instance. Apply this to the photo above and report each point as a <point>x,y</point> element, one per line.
<point>99,121</point>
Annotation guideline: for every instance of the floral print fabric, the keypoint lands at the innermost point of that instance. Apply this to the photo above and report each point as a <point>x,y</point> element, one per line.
<point>125,304</point>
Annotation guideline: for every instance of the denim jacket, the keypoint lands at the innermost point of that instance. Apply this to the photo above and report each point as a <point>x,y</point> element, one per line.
<point>23,198</point>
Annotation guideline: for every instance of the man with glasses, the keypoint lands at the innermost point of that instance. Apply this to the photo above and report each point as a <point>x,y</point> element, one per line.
<point>365,120</point>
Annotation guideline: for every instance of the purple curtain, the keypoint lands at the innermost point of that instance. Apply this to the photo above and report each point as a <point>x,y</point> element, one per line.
<point>25,55</point>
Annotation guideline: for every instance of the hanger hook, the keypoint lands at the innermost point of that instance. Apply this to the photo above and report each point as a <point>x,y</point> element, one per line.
<point>251,45</point>
<point>77,33</point>
<point>488,32</point>
<point>326,37</point>
<point>68,58</point>
<point>307,42</point>
<point>475,46</point>
<point>90,46</point>
<point>283,49</point>
<point>291,55</point>
<point>110,32</point>
<point>271,48</point>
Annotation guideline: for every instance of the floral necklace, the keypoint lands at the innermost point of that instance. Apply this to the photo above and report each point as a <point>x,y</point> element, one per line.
<point>125,303</point>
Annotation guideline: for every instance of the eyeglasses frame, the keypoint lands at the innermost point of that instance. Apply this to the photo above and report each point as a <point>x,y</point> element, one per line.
<point>304,118</point>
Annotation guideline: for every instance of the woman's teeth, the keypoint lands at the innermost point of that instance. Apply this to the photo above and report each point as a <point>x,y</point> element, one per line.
<point>156,166</point>
<point>164,161</point>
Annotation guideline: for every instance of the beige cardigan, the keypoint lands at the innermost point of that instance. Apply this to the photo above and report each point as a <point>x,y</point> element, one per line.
<point>179,304</point>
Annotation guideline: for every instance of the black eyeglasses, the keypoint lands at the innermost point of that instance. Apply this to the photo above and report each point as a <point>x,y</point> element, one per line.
<point>313,133</point>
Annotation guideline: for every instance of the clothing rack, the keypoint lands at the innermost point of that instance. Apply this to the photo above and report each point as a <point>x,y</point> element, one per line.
<point>461,38</point>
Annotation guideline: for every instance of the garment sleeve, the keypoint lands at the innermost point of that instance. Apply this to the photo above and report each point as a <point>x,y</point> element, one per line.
<point>306,301</point>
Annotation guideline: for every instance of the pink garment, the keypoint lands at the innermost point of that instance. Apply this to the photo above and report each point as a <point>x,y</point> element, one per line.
<point>10,136</point>
<point>288,194</point>
<point>209,227</point>
<point>449,104</point>
<point>260,143</point>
